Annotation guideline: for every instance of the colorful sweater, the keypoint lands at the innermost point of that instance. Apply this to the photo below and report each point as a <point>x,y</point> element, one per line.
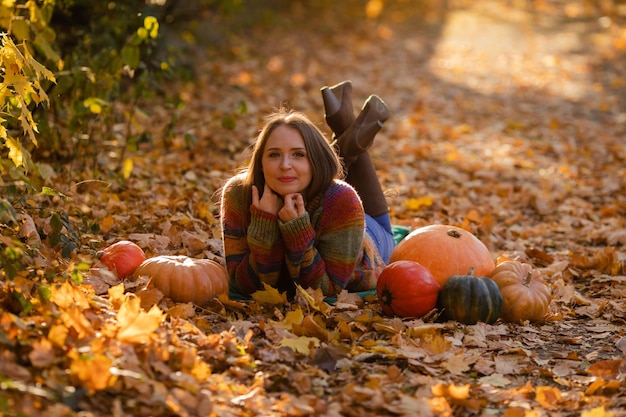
<point>325,248</point>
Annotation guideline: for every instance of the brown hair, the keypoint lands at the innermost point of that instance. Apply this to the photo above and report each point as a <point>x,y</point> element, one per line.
<point>325,164</point>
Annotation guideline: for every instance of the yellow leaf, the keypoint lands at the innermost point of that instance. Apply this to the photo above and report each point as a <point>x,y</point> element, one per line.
<point>94,372</point>
<point>142,33</point>
<point>310,327</point>
<point>94,104</point>
<point>39,69</point>
<point>315,299</point>
<point>416,203</point>
<point>116,295</point>
<point>135,325</point>
<point>269,295</point>
<point>68,295</point>
<point>127,169</point>
<point>152,26</point>
<point>300,344</point>
<point>57,335</point>
<point>15,151</point>
<point>294,317</point>
<point>73,317</point>
<point>201,370</point>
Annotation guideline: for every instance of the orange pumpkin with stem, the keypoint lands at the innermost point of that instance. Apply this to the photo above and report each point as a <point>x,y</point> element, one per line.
<point>185,279</point>
<point>445,251</point>
<point>525,294</point>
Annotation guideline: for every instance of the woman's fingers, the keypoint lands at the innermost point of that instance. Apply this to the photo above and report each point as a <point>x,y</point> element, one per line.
<point>299,204</point>
<point>293,207</point>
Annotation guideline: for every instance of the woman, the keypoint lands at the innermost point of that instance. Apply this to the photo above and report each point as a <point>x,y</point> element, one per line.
<point>289,219</point>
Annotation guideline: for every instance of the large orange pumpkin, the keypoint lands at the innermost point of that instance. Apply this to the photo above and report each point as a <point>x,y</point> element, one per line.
<point>445,250</point>
<point>526,296</point>
<point>407,289</point>
<point>185,279</point>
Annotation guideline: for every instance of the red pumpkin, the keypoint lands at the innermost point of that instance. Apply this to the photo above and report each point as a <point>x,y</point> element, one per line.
<point>123,257</point>
<point>407,289</point>
<point>445,251</point>
<point>526,296</point>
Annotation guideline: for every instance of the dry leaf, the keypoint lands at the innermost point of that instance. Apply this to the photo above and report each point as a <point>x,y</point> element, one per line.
<point>135,325</point>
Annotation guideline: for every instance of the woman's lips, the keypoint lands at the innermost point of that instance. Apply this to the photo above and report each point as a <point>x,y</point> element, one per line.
<point>287,179</point>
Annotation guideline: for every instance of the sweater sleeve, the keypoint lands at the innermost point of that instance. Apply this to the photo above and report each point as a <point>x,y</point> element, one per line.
<point>326,258</point>
<point>254,250</point>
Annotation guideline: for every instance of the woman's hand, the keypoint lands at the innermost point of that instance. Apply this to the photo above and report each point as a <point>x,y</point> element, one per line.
<point>293,207</point>
<point>269,202</point>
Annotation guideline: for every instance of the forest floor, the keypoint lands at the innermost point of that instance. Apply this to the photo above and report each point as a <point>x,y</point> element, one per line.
<point>508,121</point>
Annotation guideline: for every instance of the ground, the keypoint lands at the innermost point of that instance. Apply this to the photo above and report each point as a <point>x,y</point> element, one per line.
<point>508,119</point>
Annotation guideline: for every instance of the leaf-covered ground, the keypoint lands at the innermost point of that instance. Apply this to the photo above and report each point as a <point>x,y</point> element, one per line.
<point>508,120</point>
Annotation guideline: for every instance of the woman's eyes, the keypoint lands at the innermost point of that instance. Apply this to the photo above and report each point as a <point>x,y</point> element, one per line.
<point>296,154</point>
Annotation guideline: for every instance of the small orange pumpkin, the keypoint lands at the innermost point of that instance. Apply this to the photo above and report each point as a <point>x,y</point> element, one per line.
<point>123,257</point>
<point>445,250</point>
<point>185,279</point>
<point>526,296</point>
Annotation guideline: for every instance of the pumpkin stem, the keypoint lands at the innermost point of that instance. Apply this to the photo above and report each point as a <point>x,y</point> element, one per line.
<point>528,278</point>
<point>386,297</point>
<point>471,271</point>
<point>454,233</point>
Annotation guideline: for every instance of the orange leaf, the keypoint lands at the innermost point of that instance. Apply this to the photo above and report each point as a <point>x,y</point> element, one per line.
<point>137,326</point>
<point>608,369</point>
<point>74,318</point>
<point>106,223</point>
<point>548,397</point>
<point>69,295</point>
<point>93,372</point>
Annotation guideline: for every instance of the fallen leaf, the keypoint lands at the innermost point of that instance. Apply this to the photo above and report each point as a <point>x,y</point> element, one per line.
<point>269,295</point>
<point>301,344</point>
<point>135,325</point>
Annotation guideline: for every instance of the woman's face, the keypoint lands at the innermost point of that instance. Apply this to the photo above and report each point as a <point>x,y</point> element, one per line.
<point>285,161</point>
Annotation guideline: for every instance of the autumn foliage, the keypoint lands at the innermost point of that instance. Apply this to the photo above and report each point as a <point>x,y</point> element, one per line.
<point>507,122</point>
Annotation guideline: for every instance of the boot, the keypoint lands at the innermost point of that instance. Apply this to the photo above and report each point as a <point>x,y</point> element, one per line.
<point>338,109</point>
<point>360,135</point>
<point>362,176</point>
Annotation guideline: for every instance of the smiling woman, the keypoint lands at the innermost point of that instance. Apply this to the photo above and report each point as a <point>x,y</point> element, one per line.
<point>288,218</point>
<point>287,172</point>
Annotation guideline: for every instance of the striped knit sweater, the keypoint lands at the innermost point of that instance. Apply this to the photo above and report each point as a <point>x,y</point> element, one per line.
<point>325,248</point>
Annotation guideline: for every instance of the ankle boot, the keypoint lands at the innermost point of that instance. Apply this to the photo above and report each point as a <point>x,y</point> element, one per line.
<point>360,135</point>
<point>338,109</point>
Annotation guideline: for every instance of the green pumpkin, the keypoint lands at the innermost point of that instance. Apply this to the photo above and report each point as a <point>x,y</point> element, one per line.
<point>469,299</point>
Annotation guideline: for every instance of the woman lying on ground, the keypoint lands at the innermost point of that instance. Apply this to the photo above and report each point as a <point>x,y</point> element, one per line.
<point>288,218</point>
